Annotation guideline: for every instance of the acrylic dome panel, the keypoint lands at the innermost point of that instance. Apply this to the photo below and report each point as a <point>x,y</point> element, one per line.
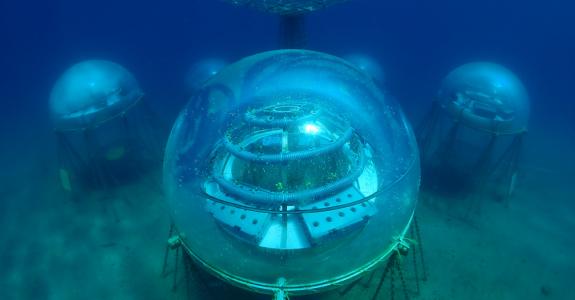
<point>201,71</point>
<point>367,64</point>
<point>92,92</point>
<point>286,7</point>
<point>290,168</point>
<point>486,96</point>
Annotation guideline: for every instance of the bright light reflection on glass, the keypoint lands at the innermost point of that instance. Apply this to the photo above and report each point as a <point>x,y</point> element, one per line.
<point>311,129</point>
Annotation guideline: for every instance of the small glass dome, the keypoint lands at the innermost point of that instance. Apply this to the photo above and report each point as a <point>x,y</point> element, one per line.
<point>201,71</point>
<point>486,96</point>
<point>92,92</point>
<point>290,169</point>
<point>368,65</point>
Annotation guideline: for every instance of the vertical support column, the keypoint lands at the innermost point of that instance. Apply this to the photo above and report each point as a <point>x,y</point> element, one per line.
<point>176,263</point>
<point>419,240</point>
<point>414,256</point>
<point>292,32</point>
<point>446,149</point>
<point>481,167</point>
<point>70,163</point>
<point>280,293</point>
<point>425,131</point>
<point>505,168</point>
<point>93,164</point>
<point>168,246</point>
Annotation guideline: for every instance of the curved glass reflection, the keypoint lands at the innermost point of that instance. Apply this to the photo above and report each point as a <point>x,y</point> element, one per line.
<point>286,163</point>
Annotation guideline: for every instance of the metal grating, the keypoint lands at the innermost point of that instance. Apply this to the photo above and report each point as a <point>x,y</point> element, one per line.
<point>333,223</point>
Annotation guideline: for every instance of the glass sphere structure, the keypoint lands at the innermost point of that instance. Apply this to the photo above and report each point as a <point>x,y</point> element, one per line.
<point>92,92</point>
<point>486,96</point>
<point>286,7</point>
<point>291,170</point>
<point>368,65</point>
<point>201,71</point>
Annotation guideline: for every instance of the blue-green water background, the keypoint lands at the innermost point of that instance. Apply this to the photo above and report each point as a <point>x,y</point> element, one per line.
<point>416,42</point>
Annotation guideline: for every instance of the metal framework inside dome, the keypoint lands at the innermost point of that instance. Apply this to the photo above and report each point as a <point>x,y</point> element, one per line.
<point>286,7</point>
<point>281,229</point>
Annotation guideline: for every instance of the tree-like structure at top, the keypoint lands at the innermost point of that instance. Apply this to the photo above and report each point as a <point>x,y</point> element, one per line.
<point>292,16</point>
<point>286,7</point>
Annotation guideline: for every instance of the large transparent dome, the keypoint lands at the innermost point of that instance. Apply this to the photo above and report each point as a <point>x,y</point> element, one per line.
<point>486,96</point>
<point>290,169</point>
<point>92,92</point>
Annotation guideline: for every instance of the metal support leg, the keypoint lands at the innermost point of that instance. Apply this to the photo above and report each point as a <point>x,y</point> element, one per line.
<point>176,263</point>
<point>388,269</point>
<point>420,247</point>
<point>165,264</point>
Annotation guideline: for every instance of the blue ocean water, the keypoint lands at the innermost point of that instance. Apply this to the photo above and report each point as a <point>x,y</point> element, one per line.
<point>416,42</point>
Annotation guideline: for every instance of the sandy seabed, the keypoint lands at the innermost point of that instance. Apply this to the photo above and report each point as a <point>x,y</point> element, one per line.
<point>110,245</point>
